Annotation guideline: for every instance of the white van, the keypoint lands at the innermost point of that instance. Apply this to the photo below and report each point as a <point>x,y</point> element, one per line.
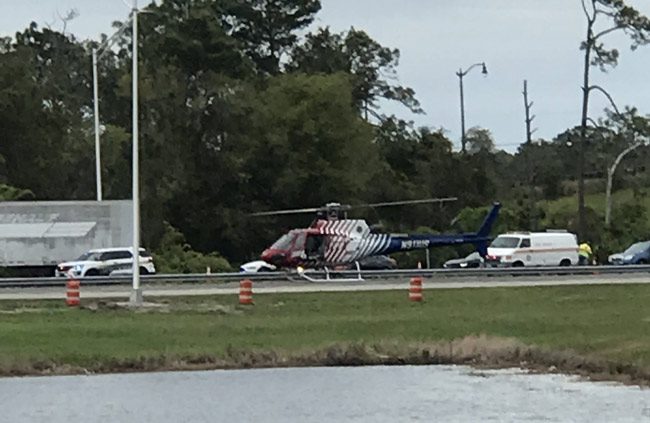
<point>518,249</point>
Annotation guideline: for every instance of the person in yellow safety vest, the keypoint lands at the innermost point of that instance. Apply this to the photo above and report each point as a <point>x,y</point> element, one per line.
<point>584,254</point>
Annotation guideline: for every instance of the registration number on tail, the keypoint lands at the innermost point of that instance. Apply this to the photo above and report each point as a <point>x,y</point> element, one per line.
<point>415,243</point>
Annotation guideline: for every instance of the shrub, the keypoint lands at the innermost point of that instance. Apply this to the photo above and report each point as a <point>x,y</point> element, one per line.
<point>175,255</point>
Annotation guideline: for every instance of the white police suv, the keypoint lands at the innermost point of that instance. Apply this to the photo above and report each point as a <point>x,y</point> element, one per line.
<point>103,261</point>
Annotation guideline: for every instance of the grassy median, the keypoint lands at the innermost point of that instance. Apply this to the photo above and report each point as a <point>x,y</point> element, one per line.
<point>599,331</point>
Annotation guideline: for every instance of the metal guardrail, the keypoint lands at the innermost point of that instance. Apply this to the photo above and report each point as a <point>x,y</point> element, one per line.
<point>144,279</point>
<point>514,271</point>
<point>322,276</point>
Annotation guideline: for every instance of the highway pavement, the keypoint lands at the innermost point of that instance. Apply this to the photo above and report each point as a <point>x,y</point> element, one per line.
<point>175,289</point>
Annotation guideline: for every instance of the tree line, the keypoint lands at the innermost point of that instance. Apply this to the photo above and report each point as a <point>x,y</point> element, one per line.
<point>241,113</point>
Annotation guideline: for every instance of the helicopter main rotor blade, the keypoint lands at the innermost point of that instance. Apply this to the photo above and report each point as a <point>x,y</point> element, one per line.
<point>405,202</point>
<point>283,212</point>
<point>348,207</point>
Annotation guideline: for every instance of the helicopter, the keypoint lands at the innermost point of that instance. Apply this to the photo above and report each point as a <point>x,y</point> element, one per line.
<point>334,240</point>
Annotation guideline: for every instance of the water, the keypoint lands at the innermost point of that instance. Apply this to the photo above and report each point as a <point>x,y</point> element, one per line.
<point>328,394</point>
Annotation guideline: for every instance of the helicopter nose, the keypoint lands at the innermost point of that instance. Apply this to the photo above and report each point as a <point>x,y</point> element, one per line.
<point>266,255</point>
<point>273,256</point>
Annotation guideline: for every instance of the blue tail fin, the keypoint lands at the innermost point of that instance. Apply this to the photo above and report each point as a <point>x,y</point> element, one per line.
<point>486,226</point>
<point>485,229</point>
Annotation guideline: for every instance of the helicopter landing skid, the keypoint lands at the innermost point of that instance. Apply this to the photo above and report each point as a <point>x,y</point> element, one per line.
<point>328,276</point>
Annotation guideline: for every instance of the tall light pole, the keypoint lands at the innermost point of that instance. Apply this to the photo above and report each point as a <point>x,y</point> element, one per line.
<point>136,294</point>
<point>98,160</point>
<point>97,53</point>
<point>461,73</point>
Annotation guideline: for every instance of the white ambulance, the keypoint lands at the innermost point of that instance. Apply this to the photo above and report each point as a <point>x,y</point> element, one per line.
<point>519,249</point>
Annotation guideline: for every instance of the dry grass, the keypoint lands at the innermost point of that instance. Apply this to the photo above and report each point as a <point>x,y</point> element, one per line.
<point>482,352</point>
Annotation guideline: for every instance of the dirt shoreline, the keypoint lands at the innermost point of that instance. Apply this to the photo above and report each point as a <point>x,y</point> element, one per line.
<point>477,351</point>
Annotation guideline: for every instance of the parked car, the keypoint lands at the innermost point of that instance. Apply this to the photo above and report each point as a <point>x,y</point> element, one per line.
<point>256,266</point>
<point>472,260</point>
<point>104,261</point>
<point>638,253</point>
<point>379,262</point>
<point>518,249</point>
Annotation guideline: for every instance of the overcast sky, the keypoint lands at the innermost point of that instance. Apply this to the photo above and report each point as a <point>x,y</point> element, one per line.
<point>517,39</point>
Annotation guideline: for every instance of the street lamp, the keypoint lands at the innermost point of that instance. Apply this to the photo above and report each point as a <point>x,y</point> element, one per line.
<point>136,295</point>
<point>460,75</point>
<point>101,50</point>
<point>98,160</point>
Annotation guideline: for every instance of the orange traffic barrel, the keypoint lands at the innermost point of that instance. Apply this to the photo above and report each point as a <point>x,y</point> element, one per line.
<point>246,291</point>
<point>72,293</point>
<point>415,289</point>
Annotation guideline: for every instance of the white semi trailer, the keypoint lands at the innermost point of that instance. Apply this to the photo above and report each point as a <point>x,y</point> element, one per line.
<point>35,236</point>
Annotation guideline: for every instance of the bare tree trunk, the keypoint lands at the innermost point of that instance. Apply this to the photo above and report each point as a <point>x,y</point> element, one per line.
<point>531,173</point>
<point>608,195</point>
<point>610,177</point>
<point>583,133</point>
<point>529,118</point>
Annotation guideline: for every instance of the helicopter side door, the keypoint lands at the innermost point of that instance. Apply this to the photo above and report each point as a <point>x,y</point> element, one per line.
<point>315,247</point>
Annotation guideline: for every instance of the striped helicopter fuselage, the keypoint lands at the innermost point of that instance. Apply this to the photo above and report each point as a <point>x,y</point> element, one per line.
<point>333,242</point>
<point>351,240</point>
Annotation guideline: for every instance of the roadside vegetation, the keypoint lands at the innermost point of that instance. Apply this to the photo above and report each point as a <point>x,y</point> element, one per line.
<point>175,255</point>
<point>596,331</point>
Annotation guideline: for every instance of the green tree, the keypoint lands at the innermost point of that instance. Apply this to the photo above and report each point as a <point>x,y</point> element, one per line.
<point>542,164</point>
<point>479,140</point>
<point>175,255</point>
<point>190,78</point>
<point>268,28</point>
<point>620,17</point>
<point>631,132</point>
<point>311,143</point>
<point>305,145</point>
<point>373,67</point>
<point>45,92</point>
<point>195,36</point>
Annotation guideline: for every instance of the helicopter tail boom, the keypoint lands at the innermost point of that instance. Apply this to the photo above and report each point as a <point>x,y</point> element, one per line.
<point>479,239</point>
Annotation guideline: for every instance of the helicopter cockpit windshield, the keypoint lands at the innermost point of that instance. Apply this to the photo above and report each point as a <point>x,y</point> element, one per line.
<point>283,243</point>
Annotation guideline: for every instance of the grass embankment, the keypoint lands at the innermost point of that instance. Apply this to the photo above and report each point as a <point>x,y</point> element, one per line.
<point>595,201</point>
<point>599,331</point>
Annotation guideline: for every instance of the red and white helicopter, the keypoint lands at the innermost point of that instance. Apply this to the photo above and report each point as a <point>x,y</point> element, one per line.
<point>333,240</point>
